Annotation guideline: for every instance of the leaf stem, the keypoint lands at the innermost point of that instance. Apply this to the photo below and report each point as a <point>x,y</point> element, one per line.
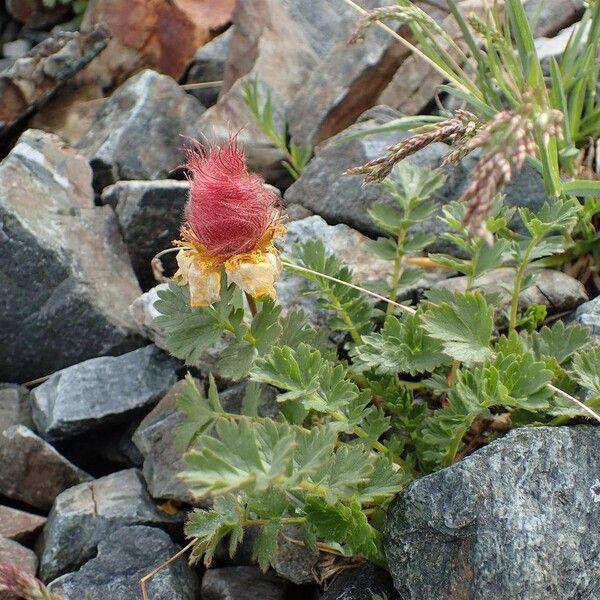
<point>514,303</point>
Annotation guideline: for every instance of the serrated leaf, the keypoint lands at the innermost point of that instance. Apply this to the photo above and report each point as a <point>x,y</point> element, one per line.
<point>387,217</point>
<point>383,247</point>
<point>200,416</point>
<point>463,322</point>
<point>265,547</point>
<point>236,360</point>
<point>418,241</point>
<point>384,483</point>
<point>559,341</point>
<point>586,369</point>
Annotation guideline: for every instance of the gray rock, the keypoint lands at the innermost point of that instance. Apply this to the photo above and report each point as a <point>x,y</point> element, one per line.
<point>18,525</point>
<point>124,557</point>
<point>15,406</point>
<point>553,16</point>
<point>209,65</point>
<point>516,520</point>
<point>86,514</point>
<point>155,439</point>
<point>101,391</point>
<point>233,583</point>
<point>67,281</point>
<point>324,189</point>
<point>361,584</point>
<point>555,290</point>
<point>16,49</point>
<point>13,553</point>
<point>138,133</point>
<point>150,214</point>
<point>589,314</point>
<point>294,561</point>
<point>32,471</point>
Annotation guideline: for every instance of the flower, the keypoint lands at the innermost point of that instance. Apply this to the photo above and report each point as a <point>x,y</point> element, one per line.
<point>232,220</point>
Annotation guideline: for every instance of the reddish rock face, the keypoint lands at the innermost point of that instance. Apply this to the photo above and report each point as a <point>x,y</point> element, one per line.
<point>159,34</point>
<point>35,14</point>
<point>19,526</point>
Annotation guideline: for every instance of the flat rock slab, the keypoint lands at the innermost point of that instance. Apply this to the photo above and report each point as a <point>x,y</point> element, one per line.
<point>86,514</point>
<point>102,391</point>
<point>18,525</point>
<point>124,557</point>
<point>13,553</point>
<point>234,583</point>
<point>15,407</point>
<point>150,215</point>
<point>517,520</point>
<point>32,471</point>
<point>66,278</point>
<point>140,131</point>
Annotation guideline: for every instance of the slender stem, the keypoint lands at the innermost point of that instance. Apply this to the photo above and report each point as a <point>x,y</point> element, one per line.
<point>514,303</point>
<point>251,304</point>
<point>398,269</point>
<point>474,261</point>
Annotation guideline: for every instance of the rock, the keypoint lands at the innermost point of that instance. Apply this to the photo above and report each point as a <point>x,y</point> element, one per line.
<point>16,49</point>
<point>102,391</point>
<point>362,583</point>
<point>339,198</point>
<point>15,406</point>
<point>32,471</point>
<point>158,34</point>
<point>150,214</point>
<point>209,65</point>
<point>143,313</point>
<point>86,514</point>
<point>555,290</point>
<point>550,18</point>
<point>232,583</point>
<point>124,557</point>
<point>18,525</point>
<point>163,457</point>
<point>67,280</point>
<point>589,314</point>
<point>139,132</point>
<point>14,554</point>
<point>498,526</point>
<point>36,14</point>
<point>294,561</point>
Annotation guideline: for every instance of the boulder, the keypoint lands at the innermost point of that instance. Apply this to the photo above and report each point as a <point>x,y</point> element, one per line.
<point>232,583</point>
<point>13,553</point>
<point>86,514</point>
<point>18,525</point>
<point>66,278</point>
<point>294,561</point>
<point>102,391</point>
<point>516,519</point>
<point>150,214</point>
<point>32,471</point>
<point>123,558</point>
<point>139,132</point>
<point>589,314</point>
<point>363,583</point>
<point>35,13</point>
<point>15,406</point>
<point>159,34</point>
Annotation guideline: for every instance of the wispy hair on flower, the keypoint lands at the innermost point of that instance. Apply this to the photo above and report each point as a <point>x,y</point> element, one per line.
<point>231,222</point>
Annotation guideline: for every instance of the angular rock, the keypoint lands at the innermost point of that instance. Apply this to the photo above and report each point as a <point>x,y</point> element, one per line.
<point>324,189</point>
<point>158,34</point>
<point>86,514</point>
<point>35,14</point>
<point>18,525</point>
<point>589,314</point>
<point>362,583</point>
<point>138,133</point>
<point>102,391</point>
<point>209,65</point>
<point>550,18</point>
<point>124,557</point>
<point>67,280</point>
<point>15,406</point>
<point>14,554</point>
<point>163,457</point>
<point>32,471</point>
<point>150,215</point>
<point>294,561</point>
<point>249,583</point>
<point>555,290</point>
<point>497,525</point>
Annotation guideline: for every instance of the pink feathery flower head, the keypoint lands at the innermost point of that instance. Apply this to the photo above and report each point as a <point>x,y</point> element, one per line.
<point>229,210</point>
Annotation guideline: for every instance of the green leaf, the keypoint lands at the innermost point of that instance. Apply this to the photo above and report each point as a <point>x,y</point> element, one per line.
<point>265,548</point>
<point>387,217</point>
<point>236,360</point>
<point>384,483</point>
<point>463,322</point>
<point>586,369</point>
<point>200,416</point>
<point>383,247</point>
<point>559,341</point>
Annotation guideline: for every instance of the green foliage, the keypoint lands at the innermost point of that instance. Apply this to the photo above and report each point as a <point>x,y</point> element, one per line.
<point>78,6</point>
<point>297,157</point>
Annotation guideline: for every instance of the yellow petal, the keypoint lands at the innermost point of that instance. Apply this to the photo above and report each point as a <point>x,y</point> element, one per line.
<point>205,285</point>
<point>256,278</point>
<point>184,262</point>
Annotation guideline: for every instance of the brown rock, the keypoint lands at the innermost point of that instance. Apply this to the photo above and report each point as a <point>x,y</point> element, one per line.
<point>32,471</point>
<point>35,14</point>
<point>159,34</point>
<point>15,408</point>
<point>14,554</point>
<point>20,526</point>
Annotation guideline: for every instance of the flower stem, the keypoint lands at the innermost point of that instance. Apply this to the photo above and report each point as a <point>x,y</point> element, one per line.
<point>514,304</point>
